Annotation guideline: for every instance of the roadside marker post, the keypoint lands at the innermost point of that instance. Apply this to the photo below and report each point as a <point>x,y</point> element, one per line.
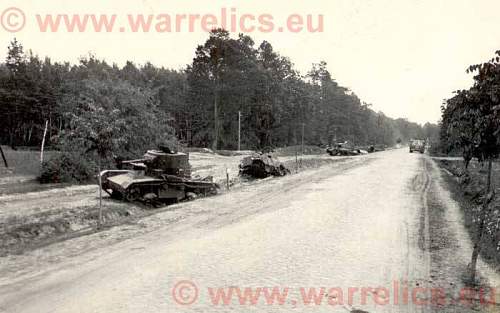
<point>296,161</point>
<point>43,141</point>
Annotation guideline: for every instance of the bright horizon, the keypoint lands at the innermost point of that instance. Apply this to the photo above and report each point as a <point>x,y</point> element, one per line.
<point>402,57</point>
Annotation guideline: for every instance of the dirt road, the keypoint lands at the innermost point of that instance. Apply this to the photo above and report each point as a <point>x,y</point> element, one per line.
<point>350,227</point>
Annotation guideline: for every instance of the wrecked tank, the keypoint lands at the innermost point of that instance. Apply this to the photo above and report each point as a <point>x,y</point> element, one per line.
<point>343,149</point>
<point>161,176</point>
<point>262,165</point>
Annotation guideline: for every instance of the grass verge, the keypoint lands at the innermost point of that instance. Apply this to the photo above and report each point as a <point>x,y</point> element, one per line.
<point>467,191</point>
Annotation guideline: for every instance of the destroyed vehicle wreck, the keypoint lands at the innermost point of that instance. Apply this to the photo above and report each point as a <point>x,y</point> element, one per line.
<point>161,176</point>
<point>344,149</point>
<point>262,165</point>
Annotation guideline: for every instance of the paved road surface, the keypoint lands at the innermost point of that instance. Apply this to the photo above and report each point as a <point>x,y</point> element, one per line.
<point>352,226</point>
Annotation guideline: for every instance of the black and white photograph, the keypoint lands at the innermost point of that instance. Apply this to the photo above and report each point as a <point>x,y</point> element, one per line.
<point>250,156</point>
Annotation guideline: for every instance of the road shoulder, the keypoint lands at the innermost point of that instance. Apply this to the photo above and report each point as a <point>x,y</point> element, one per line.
<point>450,249</point>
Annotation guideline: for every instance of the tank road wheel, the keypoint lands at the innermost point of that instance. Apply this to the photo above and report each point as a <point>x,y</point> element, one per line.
<point>212,190</point>
<point>133,194</point>
<point>191,195</point>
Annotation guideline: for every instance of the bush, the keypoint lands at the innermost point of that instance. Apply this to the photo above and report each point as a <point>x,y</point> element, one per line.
<point>67,168</point>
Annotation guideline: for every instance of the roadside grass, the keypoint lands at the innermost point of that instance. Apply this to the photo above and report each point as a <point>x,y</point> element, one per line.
<point>292,150</point>
<point>22,162</point>
<point>466,193</point>
<point>24,168</point>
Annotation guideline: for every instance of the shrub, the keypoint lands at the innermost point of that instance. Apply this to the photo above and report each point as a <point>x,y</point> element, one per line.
<point>67,168</point>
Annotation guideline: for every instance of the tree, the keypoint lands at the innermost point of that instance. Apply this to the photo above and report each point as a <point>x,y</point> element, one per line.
<point>28,93</point>
<point>484,103</point>
<point>460,125</point>
<point>97,128</point>
<point>472,120</point>
<point>115,116</point>
<point>15,60</point>
<point>228,75</point>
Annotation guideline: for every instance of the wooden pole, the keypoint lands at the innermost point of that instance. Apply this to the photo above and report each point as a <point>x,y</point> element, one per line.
<point>4,158</point>
<point>302,145</point>
<point>239,130</point>
<point>296,161</point>
<point>43,141</point>
<point>99,222</point>
<point>216,120</point>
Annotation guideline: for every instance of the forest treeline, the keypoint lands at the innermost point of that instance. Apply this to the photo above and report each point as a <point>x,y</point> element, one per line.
<point>198,106</point>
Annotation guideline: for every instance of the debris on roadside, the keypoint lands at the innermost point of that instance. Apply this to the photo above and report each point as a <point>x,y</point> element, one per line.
<point>347,148</point>
<point>262,165</point>
<point>343,149</point>
<point>374,148</point>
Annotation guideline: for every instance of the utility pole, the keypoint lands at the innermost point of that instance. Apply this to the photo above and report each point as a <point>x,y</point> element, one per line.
<point>99,181</point>
<point>216,121</point>
<point>239,130</point>
<point>302,145</point>
<point>335,140</point>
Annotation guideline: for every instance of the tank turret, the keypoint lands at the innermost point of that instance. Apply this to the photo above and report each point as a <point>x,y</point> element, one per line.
<point>159,162</point>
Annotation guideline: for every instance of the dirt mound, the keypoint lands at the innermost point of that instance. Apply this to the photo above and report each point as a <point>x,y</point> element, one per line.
<point>36,230</point>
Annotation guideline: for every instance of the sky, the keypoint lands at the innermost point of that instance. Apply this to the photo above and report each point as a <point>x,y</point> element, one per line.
<point>402,56</point>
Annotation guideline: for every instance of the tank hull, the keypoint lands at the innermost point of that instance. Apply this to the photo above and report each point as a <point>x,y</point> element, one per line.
<point>159,176</point>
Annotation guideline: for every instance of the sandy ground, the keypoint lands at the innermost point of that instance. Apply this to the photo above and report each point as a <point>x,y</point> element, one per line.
<point>361,223</point>
<point>49,213</point>
<point>22,203</point>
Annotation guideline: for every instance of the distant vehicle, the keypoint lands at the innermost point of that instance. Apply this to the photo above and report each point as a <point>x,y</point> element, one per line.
<point>347,148</point>
<point>417,145</point>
